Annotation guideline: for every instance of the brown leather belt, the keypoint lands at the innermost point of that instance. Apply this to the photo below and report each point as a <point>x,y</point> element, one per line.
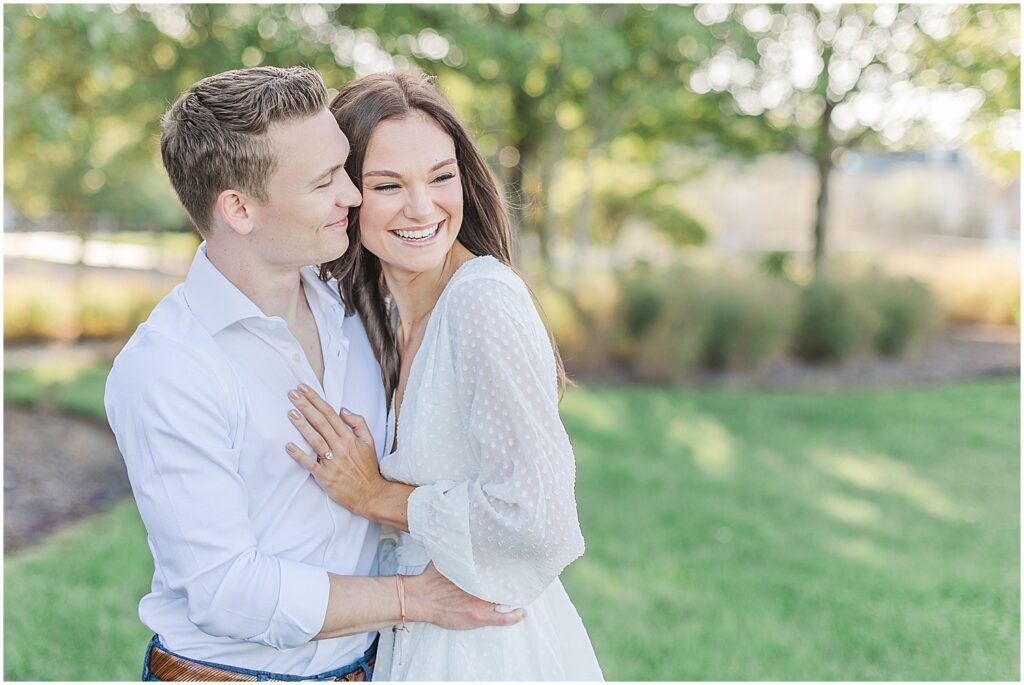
<point>166,666</point>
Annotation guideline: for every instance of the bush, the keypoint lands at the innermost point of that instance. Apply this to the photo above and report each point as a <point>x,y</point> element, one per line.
<point>673,322</point>
<point>642,296</point>
<point>906,314</point>
<point>581,325</point>
<point>837,320</point>
<point>95,304</point>
<point>672,347</point>
<point>751,320</point>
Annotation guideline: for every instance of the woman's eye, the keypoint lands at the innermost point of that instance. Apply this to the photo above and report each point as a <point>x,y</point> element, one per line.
<point>323,185</point>
<point>445,177</point>
<point>386,186</point>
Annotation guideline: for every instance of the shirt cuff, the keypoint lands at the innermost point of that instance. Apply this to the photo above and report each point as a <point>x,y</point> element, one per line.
<point>301,605</point>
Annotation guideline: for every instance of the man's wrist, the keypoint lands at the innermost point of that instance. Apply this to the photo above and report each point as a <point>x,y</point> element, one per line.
<point>415,601</point>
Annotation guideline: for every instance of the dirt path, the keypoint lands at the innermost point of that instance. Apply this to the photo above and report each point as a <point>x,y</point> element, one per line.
<point>57,469</point>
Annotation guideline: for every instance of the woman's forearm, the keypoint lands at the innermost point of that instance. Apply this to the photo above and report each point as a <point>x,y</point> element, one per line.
<point>359,604</point>
<point>390,505</point>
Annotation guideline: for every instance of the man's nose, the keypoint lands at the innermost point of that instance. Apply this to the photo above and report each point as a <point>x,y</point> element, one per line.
<point>348,194</point>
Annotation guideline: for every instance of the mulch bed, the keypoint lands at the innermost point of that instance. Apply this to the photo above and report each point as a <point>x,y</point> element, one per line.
<point>60,468</point>
<point>57,468</point>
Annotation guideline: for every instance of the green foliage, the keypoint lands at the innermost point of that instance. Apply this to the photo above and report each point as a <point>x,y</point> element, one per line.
<point>581,318</point>
<point>841,81</point>
<point>99,304</point>
<point>75,389</point>
<point>870,535</point>
<point>668,218</point>
<point>547,88</point>
<point>670,322</point>
<point>846,314</point>
<point>642,300</point>
<point>22,386</point>
<point>776,263</point>
<point>752,321</point>
<point>906,314</point>
<point>673,346</point>
<point>837,320</point>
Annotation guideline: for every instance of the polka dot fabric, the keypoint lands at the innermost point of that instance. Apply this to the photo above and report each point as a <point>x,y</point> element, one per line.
<point>480,434</point>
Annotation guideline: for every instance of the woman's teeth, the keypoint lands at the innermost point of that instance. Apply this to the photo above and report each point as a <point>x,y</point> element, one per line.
<point>418,235</point>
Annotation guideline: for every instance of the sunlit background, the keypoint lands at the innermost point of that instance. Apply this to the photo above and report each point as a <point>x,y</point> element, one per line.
<point>778,246</point>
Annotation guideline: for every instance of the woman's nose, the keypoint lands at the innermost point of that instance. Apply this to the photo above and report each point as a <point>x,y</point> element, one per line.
<point>419,205</point>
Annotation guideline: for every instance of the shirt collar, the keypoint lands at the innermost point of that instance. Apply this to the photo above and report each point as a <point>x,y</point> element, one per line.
<point>215,300</point>
<point>325,294</point>
<point>218,303</point>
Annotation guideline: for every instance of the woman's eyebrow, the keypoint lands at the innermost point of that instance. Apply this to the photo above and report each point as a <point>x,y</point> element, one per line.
<point>395,174</point>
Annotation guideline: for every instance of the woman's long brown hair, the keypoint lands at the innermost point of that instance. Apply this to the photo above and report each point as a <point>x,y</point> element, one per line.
<point>358,108</point>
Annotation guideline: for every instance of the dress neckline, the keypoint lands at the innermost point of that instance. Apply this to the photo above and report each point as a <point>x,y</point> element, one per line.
<point>413,367</point>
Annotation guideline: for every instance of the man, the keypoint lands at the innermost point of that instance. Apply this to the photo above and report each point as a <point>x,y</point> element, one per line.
<point>258,574</point>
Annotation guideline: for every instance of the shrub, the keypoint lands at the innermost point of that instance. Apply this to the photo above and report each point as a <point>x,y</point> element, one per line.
<point>671,347</point>
<point>751,320</point>
<point>642,296</point>
<point>67,306</point>
<point>906,314</point>
<point>674,321</point>
<point>837,319</point>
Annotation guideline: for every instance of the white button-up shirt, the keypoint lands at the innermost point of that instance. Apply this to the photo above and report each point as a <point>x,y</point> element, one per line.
<point>242,536</point>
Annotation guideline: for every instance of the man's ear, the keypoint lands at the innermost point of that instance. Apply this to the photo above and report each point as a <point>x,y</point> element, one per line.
<point>235,209</point>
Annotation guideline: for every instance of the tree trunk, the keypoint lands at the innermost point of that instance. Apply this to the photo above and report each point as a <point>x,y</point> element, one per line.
<point>585,212</point>
<point>823,152</point>
<point>552,156</point>
<point>821,215</point>
<point>525,143</point>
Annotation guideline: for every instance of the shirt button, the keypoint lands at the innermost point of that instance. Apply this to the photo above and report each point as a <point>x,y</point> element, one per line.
<point>296,358</point>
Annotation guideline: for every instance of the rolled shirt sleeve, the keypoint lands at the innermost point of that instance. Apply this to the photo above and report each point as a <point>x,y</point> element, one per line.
<point>176,420</point>
<point>506,534</point>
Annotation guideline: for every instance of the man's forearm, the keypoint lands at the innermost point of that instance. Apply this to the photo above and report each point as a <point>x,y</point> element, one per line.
<point>390,505</point>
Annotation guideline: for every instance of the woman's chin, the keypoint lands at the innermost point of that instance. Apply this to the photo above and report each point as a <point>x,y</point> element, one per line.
<point>425,259</point>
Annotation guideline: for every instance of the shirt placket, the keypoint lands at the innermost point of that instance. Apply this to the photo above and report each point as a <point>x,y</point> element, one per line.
<point>274,331</point>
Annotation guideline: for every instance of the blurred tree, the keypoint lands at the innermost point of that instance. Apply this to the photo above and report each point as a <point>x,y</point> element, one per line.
<point>825,79</point>
<point>543,83</point>
<point>595,92</point>
<point>85,86</point>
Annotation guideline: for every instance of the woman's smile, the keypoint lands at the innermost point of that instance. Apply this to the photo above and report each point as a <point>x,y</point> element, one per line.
<point>419,235</point>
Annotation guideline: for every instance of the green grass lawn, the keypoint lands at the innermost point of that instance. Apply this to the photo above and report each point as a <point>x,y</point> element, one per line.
<point>730,536</point>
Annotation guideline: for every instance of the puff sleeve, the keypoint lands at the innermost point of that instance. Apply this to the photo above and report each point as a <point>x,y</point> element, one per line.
<point>506,534</point>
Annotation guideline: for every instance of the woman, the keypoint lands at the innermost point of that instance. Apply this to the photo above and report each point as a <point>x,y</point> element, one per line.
<point>479,474</point>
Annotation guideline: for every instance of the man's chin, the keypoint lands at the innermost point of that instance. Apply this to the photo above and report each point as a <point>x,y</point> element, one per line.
<point>334,253</point>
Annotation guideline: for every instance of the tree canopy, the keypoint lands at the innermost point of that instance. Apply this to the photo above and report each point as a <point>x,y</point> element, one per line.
<point>624,101</point>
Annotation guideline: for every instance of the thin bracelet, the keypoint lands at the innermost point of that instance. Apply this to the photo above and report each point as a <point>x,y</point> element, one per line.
<point>402,629</point>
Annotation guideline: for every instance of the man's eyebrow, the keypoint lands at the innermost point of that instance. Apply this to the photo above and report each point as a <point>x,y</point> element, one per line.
<point>327,172</point>
<point>395,174</point>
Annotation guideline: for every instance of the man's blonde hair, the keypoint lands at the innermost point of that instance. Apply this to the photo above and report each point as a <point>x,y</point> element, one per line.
<point>214,135</point>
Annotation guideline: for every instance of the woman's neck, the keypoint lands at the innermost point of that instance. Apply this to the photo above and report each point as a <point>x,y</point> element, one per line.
<point>416,293</point>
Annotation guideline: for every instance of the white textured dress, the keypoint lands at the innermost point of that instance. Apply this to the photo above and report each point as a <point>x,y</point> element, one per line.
<point>495,509</point>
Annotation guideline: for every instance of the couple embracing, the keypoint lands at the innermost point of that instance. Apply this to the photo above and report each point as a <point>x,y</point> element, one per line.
<point>345,420</point>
